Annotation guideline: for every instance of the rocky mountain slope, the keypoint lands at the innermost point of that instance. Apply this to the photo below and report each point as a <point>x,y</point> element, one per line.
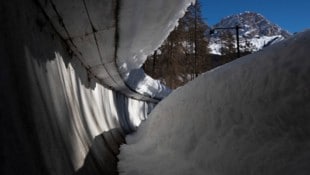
<point>254,28</point>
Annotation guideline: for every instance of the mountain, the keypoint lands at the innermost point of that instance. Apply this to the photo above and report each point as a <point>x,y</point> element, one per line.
<point>254,29</point>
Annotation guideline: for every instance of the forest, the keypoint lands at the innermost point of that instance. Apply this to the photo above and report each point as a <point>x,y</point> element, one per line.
<point>185,53</point>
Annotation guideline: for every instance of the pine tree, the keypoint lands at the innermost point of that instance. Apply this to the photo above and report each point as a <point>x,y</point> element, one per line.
<point>171,59</point>
<point>228,49</point>
<point>197,52</point>
<point>184,54</point>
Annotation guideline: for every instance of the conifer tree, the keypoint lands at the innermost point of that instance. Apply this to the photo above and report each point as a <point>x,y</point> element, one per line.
<point>228,49</point>
<point>184,54</point>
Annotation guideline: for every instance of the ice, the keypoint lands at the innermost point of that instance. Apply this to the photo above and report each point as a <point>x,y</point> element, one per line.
<point>146,85</point>
<point>250,116</point>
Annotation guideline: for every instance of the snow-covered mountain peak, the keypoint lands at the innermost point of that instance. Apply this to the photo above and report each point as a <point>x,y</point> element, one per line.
<point>254,28</point>
<point>253,24</point>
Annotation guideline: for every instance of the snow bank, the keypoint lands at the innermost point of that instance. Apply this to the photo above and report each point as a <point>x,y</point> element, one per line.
<point>250,116</point>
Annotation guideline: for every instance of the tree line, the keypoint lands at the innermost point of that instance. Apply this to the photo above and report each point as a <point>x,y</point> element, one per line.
<point>185,53</point>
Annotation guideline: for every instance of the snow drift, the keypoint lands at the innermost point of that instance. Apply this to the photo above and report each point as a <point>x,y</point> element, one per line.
<point>250,116</point>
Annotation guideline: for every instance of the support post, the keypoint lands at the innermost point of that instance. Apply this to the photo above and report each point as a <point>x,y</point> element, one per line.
<point>237,36</point>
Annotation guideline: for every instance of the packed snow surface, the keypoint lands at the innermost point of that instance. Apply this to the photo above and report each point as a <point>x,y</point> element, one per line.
<point>250,116</point>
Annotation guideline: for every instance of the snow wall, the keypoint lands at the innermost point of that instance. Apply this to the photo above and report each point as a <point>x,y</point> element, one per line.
<point>250,116</point>
<point>65,103</point>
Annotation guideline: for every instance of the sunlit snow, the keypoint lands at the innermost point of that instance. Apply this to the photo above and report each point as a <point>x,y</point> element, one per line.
<point>258,43</point>
<point>250,116</point>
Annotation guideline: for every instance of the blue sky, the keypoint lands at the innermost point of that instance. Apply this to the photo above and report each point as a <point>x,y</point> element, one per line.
<point>291,15</point>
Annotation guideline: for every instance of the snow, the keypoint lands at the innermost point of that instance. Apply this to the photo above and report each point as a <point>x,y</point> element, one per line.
<point>250,116</point>
<point>146,85</point>
<point>258,43</point>
<point>143,26</point>
<point>92,111</point>
<point>57,116</point>
<point>215,47</point>
<point>262,41</point>
<point>112,39</point>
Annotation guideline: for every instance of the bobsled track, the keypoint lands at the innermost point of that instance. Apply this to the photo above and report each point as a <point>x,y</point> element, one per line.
<point>72,88</point>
